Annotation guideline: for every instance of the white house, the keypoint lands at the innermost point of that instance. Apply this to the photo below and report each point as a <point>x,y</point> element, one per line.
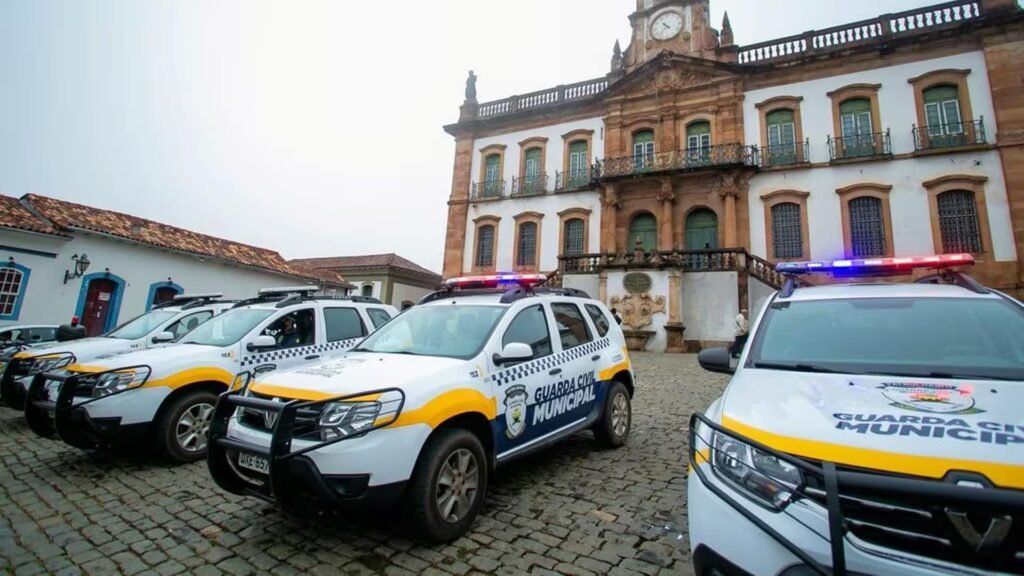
<point>59,259</point>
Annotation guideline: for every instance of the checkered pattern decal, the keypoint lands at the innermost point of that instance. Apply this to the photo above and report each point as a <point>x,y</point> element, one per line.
<point>520,371</point>
<point>302,351</point>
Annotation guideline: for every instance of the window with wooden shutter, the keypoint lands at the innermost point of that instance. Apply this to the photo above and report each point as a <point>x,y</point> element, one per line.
<point>643,148</point>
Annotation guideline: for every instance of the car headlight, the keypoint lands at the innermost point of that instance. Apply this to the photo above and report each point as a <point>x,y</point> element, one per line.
<point>761,475</point>
<point>40,365</point>
<point>343,419</point>
<point>113,382</point>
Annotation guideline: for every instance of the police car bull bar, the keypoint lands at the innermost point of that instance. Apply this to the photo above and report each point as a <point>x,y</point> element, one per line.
<point>851,495</point>
<point>287,422</point>
<point>49,411</point>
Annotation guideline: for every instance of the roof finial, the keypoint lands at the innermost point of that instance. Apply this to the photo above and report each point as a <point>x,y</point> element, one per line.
<point>726,38</point>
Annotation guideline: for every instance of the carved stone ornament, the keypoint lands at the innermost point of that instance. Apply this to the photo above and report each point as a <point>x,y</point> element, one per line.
<point>732,182</point>
<point>610,198</point>
<point>637,310</point>
<point>668,79</point>
<point>637,283</point>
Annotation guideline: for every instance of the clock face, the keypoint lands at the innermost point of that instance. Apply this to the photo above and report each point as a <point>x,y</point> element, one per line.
<point>667,26</point>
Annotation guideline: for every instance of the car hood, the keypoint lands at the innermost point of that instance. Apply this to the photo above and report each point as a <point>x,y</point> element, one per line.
<point>356,373</point>
<point>917,426</point>
<point>153,357</point>
<point>83,349</point>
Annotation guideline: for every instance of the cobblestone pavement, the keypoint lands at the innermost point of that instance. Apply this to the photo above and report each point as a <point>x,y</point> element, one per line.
<point>572,509</point>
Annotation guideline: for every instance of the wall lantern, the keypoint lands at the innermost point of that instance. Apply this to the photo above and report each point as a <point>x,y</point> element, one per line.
<point>80,266</point>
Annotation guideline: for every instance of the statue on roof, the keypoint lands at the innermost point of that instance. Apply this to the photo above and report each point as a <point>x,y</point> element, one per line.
<point>616,58</point>
<point>471,87</point>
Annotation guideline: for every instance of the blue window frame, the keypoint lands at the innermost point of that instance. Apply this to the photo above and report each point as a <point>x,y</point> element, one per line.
<point>13,283</point>
<point>157,288</point>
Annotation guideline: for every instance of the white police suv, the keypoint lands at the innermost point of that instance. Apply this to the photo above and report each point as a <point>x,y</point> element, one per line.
<point>484,371</point>
<point>161,325</point>
<point>868,429</point>
<point>167,394</point>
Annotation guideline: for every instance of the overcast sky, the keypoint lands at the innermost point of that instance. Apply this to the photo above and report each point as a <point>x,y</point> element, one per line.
<point>312,127</point>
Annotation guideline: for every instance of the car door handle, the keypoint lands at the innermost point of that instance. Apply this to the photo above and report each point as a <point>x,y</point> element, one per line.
<point>312,357</point>
<point>555,371</point>
<point>595,357</point>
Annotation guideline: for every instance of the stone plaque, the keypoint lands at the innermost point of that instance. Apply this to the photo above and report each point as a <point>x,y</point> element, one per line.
<point>636,283</point>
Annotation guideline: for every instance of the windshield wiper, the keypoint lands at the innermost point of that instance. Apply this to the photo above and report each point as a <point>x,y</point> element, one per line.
<point>360,349</point>
<point>798,367</point>
<point>938,374</point>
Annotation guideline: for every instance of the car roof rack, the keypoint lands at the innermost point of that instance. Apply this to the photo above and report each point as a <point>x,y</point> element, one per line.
<point>867,267</point>
<point>284,299</point>
<point>189,301</point>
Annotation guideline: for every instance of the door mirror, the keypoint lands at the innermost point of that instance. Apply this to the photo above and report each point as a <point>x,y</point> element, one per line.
<point>716,360</point>
<point>513,352</point>
<point>262,342</point>
<point>163,337</point>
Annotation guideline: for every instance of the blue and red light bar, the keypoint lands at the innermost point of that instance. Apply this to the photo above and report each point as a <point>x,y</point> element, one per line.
<point>496,280</point>
<point>869,266</point>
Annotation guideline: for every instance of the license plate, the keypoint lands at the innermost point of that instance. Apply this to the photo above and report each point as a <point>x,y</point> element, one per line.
<point>254,463</point>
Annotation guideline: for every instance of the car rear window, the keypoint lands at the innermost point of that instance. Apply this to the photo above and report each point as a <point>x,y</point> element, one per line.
<point>967,337</point>
<point>599,318</point>
<point>343,324</point>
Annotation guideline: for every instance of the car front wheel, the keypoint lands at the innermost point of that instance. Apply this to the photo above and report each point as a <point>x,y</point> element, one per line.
<point>448,486</point>
<point>183,429</point>
<point>613,428</point>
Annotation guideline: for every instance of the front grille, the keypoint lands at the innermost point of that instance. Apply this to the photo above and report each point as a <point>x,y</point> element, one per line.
<point>924,529</point>
<point>20,367</point>
<point>305,420</point>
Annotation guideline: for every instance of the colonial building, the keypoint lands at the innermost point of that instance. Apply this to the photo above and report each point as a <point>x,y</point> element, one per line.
<point>388,277</point>
<point>59,259</point>
<point>671,186</point>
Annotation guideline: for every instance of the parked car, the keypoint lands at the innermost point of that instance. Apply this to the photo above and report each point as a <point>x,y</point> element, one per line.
<point>474,376</point>
<point>166,395</point>
<point>161,325</point>
<point>25,335</point>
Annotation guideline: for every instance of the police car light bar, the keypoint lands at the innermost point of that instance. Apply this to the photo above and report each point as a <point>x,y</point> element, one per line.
<point>875,265</point>
<point>496,280</point>
<point>210,296</point>
<point>287,290</point>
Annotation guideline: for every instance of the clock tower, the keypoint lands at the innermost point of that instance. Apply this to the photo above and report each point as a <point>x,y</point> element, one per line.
<point>679,26</point>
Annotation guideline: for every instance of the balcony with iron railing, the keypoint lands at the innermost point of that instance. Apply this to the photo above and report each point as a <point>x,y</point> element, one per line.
<point>573,179</point>
<point>530,185</point>
<point>690,160</point>
<point>950,135</point>
<point>790,154</point>
<point>711,260</point>
<point>860,146</point>
<point>488,190</point>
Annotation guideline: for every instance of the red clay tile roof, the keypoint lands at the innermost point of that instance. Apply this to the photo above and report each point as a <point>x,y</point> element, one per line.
<point>14,215</point>
<point>77,216</point>
<point>349,263</point>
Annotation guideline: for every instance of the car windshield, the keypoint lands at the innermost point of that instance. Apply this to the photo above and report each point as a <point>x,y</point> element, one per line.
<point>143,325</point>
<point>227,328</point>
<point>922,337</point>
<point>448,331</point>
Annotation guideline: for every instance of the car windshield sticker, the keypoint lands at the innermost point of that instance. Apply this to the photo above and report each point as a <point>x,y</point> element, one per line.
<point>931,427</point>
<point>934,398</point>
<point>515,411</point>
<point>556,399</point>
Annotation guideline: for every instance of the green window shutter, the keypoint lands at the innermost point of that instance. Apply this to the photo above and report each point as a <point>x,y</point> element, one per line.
<point>780,117</point>
<point>643,137</point>
<point>643,148</point>
<point>577,158</point>
<point>941,93</point>
<point>532,163</point>
<point>698,128</point>
<point>781,127</point>
<point>492,165</point>
<point>698,135</point>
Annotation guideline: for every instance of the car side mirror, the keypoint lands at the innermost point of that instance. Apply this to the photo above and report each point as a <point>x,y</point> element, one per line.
<point>513,352</point>
<point>163,337</point>
<point>716,360</point>
<point>262,342</point>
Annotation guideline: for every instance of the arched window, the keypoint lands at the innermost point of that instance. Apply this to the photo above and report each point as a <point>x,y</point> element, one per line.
<point>702,230</point>
<point>485,246</point>
<point>958,222</point>
<point>573,236</point>
<point>781,128</point>
<point>367,290</point>
<point>643,148</point>
<point>867,227</point>
<point>644,229</point>
<point>787,231</point>
<point>492,175</point>
<point>855,123</point>
<point>579,167</point>
<point>527,253</point>
<point>13,282</point>
<point>942,112</point>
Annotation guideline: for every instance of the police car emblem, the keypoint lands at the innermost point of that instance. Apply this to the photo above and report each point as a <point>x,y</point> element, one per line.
<point>934,398</point>
<point>515,411</point>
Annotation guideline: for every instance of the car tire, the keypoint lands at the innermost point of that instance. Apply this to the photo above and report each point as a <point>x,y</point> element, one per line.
<point>184,426</point>
<point>612,430</point>
<point>435,491</point>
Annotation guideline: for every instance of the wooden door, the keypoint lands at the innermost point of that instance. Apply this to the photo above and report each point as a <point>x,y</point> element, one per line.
<point>98,299</point>
<point>164,294</point>
<point>701,230</point>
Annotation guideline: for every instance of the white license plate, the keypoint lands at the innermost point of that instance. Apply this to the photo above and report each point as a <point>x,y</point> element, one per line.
<point>254,463</point>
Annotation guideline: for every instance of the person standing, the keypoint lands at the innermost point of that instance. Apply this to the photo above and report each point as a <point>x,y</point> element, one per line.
<point>742,329</point>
